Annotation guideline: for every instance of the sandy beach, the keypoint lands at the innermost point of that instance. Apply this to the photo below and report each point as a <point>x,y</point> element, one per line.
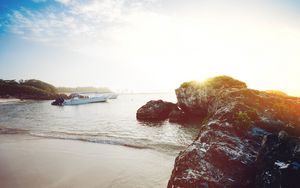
<point>33,162</point>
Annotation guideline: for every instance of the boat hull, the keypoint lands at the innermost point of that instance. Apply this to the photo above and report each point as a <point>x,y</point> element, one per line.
<point>84,100</point>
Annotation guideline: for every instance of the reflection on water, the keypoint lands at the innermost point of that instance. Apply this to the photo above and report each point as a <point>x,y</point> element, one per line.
<point>112,122</point>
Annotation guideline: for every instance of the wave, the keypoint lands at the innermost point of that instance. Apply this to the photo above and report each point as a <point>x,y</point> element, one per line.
<point>136,143</point>
<point>84,138</point>
<point>5,130</point>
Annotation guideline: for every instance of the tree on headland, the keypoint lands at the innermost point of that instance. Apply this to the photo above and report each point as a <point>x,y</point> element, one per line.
<point>39,84</point>
<point>27,89</point>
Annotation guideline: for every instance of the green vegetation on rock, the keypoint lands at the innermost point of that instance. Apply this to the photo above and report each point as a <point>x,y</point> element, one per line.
<point>218,82</point>
<point>39,85</point>
<point>243,117</point>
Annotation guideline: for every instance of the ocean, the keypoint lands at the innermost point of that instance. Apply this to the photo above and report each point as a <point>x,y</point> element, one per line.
<point>112,122</point>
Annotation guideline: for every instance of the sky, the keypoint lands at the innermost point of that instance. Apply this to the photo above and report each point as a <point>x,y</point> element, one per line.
<point>151,45</point>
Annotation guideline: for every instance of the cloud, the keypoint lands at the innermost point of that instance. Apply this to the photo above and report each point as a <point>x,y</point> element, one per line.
<point>59,1</point>
<point>39,1</point>
<point>77,23</point>
<point>140,38</point>
<point>64,1</point>
<point>137,32</point>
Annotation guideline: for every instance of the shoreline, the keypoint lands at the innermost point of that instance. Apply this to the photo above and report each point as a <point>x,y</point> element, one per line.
<point>8,100</point>
<point>28,161</point>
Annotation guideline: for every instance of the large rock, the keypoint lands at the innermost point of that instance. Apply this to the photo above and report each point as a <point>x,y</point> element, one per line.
<point>222,155</point>
<point>155,110</point>
<point>236,121</point>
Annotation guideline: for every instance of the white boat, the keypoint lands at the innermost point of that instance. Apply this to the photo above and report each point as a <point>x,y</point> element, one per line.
<point>81,98</point>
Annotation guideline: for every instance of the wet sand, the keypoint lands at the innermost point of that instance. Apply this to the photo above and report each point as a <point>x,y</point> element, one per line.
<point>32,162</point>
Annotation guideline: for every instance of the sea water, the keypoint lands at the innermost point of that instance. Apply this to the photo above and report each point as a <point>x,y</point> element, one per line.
<point>112,122</point>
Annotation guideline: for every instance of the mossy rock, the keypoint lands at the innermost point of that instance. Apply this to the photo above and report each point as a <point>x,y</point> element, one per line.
<point>218,82</point>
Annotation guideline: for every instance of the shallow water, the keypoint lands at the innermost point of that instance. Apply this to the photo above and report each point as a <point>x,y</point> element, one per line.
<point>112,122</point>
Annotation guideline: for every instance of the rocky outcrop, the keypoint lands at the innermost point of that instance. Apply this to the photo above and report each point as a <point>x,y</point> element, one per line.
<point>155,110</point>
<point>235,121</point>
<point>196,97</point>
<point>237,118</point>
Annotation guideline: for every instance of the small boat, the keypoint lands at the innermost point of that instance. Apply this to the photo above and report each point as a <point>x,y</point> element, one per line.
<point>81,98</point>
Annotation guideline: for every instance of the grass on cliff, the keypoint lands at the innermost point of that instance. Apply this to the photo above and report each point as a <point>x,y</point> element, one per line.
<point>218,82</point>
<point>276,92</point>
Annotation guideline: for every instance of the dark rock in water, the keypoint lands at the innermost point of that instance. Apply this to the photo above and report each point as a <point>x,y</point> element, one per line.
<point>278,162</point>
<point>155,110</point>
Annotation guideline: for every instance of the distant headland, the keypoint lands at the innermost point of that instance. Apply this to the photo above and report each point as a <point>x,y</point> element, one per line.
<point>39,90</point>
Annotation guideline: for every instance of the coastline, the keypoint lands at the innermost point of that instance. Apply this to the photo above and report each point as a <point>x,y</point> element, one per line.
<point>27,161</point>
<point>8,100</point>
